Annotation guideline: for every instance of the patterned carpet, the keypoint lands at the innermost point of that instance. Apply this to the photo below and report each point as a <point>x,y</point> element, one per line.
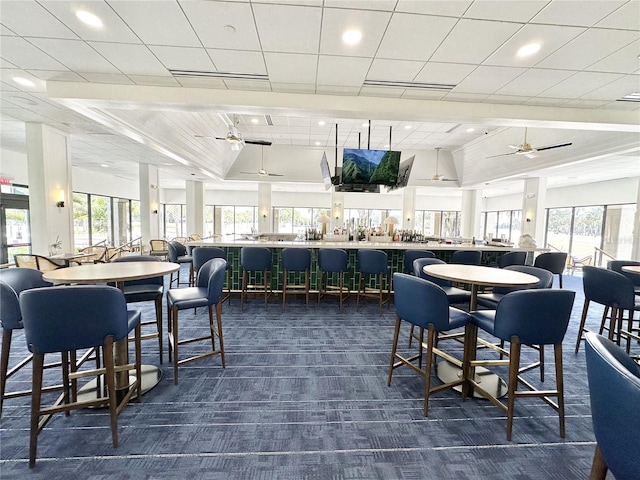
<point>305,396</point>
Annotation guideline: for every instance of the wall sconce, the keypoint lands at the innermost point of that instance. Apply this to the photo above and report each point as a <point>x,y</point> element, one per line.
<point>154,208</point>
<point>60,202</point>
<point>528,219</point>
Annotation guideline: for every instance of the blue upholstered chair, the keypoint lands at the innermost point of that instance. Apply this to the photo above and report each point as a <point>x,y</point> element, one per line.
<point>373,262</point>
<point>466,257</point>
<point>616,266</point>
<point>555,262</point>
<point>512,258</point>
<point>254,260</point>
<point>295,260</point>
<point>12,282</point>
<point>454,294</point>
<point>490,300</point>
<point>524,317</point>
<point>423,304</point>
<point>333,261</point>
<point>202,255</point>
<point>66,319</point>
<point>146,290</point>
<point>206,293</point>
<point>615,292</point>
<point>614,388</point>
<point>178,254</point>
<point>411,255</point>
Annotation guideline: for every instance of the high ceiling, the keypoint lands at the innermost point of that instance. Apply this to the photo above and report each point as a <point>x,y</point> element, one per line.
<point>159,80</point>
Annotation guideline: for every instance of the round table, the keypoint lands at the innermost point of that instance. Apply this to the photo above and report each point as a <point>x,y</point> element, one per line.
<point>117,272</point>
<point>631,269</point>
<point>477,275</point>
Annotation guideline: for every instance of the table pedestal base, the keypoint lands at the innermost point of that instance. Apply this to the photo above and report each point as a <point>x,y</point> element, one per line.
<point>96,388</point>
<point>492,383</point>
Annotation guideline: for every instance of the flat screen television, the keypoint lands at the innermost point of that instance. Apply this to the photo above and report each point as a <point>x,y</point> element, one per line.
<point>403,173</point>
<point>370,167</point>
<point>326,172</point>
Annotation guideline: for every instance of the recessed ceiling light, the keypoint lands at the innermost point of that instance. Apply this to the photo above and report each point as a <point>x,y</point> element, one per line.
<point>352,37</point>
<point>254,120</point>
<point>528,49</point>
<point>104,165</point>
<point>469,130</point>
<point>229,29</point>
<point>317,143</point>
<point>25,82</point>
<point>89,18</point>
<point>386,146</point>
<point>365,125</point>
<point>407,127</point>
<point>321,123</point>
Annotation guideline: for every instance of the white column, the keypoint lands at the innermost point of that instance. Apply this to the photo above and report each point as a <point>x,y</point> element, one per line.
<point>195,207</point>
<point>50,185</point>
<point>264,207</point>
<point>533,205</point>
<point>408,208</point>
<point>149,203</point>
<point>635,245</point>
<point>471,214</point>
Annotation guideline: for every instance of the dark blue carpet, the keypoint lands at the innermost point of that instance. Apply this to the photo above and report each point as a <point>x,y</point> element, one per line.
<point>305,396</point>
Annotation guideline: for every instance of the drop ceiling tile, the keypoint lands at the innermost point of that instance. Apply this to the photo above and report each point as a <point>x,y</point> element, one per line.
<point>154,81</point>
<point>572,12</point>
<point>434,7</point>
<point>382,92</point>
<point>506,99</point>
<point>585,103</point>
<point>550,37</point>
<point>631,106</point>
<point>30,19</point>
<point>337,90</point>
<point>342,71</point>
<point>444,73</point>
<point>301,23</point>
<point>57,76</point>
<point>488,80</point>
<point>238,61</point>
<point>465,97</point>
<point>209,20</point>
<point>203,82</point>
<point>7,75</point>
<point>253,85</point>
<point>625,17</point>
<point>6,64</point>
<point>113,30</point>
<point>624,60</point>
<point>386,5</point>
<point>615,90</point>
<point>505,10</point>
<point>131,59</point>
<point>580,84</point>
<point>394,70</point>
<point>472,41</point>
<point>107,78</point>
<point>27,56</point>
<point>75,55</point>
<point>534,81</point>
<point>291,67</point>
<point>589,48</point>
<point>184,58</point>
<point>405,36</point>
<point>336,21</point>
<point>546,102</point>
<point>147,18</point>
<point>424,94</point>
<point>293,87</point>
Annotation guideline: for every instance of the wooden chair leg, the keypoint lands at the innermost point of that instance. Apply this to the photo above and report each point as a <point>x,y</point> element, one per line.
<point>110,375</point>
<point>599,466</point>
<point>284,288</point>
<point>4,363</point>
<point>394,348</point>
<point>36,392</point>
<point>219,332</point>
<point>174,332</point>
<point>159,323</point>
<point>557,349</point>
<point>431,334</point>
<point>583,319</point>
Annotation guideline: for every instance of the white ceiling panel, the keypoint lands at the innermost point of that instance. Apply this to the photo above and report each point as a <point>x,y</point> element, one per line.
<point>434,7</point>
<point>184,58</point>
<point>114,78</point>
<point>505,10</point>
<point>624,60</point>
<point>240,84</point>
<point>145,17</point>
<point>154,81</point>
<point>390,92</point>
<point>472,41</point>
<point>291,67</point>
<point>209,20</point>
<point>534,81</point>
<point>444,73</point>
<point>113,29</point>
<point>29,19</point>
<point>301,22</point>
<point>386,5</point>
<point>406,37</point>
<point>131,59</point>
<point>576,12</point>
<point>580,84</point>
<point>394,70</point>
<point>626,17</point>
<point>57,75</point>
<point>20,52</point>
<point>75,55</point>
<point>488,79</point>
<point>293,87</point>
<point>617,89</point>
<point>342,70</point>
<point>238,61</point>
<point>336,21</point>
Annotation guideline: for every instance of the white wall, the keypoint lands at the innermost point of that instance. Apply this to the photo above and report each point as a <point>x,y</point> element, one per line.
<point>14,165</point>
<point>89,181</point>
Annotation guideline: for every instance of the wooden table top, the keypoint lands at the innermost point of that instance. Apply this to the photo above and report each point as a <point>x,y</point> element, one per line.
<point>631,268</point>
<point>480,275</point>
<point>110,272</point>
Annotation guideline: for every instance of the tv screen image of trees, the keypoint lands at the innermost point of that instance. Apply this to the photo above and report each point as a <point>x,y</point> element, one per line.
<point>379,167</point>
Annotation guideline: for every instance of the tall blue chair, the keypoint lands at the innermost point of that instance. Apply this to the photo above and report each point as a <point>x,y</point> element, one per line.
<point>614,388</point>
<point>466,257</point>
<point>373,263</point>
<point>333,261</point>
<point>12,282</point>
<point>254,260</point>
<point>524,317</point>
<point>555,262</point>
<point>616,266</point>
<point>66,319</point>
<point>512,258</point>
<point>146,290</point>
<point>202,255</point>
<point>411,255</point>
<point>295,260</point>
<point>454,294</point>
<point>178,254</point>
<point>425,305</point>
<point>206,293</point>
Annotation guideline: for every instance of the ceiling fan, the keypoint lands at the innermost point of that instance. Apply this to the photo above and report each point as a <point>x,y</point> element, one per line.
<point>527,150</point>
<point>235,138</point>
<point>438,177</point>
<point>262,172</point>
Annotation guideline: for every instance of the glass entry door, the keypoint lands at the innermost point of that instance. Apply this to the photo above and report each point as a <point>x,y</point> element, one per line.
<point>14,226</point>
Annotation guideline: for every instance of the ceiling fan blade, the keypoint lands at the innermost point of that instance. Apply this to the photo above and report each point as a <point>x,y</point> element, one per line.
<point>502,155</point>
<point>549,147</point>
<point>249,173</point>
<point>258,142</point>
<point>275,175</point>
<point>530,155</point>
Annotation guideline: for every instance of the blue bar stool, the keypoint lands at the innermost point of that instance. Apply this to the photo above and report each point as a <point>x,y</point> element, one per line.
<point>411,255</point>
<point>373,262</point>
<point>555,262</point>
<point>466,257</point>
<point>178,254</point>
<point>333,261</point>
<point>295,260</point>
<point>253,260</point>
<point>512,258</point>
<point>202,255</point>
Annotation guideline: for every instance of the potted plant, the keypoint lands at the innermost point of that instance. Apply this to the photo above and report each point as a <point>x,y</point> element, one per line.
<point>55,246</point>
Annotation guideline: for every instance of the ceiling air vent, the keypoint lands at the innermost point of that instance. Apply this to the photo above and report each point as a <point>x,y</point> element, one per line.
<point>221,75</point>
<point>422,86</point>
<point>632,97</point>
<point>267,118</point>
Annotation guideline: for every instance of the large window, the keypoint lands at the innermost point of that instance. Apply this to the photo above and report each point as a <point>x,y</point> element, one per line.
<point>437,223</point>
<point>238,220</point>
<point>296,220</point>
<point>575,230</point>
<point>505,225</point>
<point>175,221</point>
<point>97,218</point>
